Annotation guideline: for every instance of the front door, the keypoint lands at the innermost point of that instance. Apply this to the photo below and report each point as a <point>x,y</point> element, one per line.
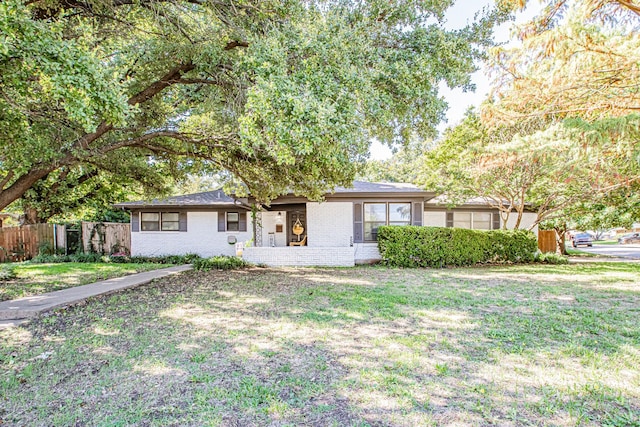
<point>292,218</point>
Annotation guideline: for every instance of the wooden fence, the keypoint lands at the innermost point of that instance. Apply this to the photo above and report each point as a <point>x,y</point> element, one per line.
<point>547,241</point>
<point>106,237</point>
<point>22,243</point>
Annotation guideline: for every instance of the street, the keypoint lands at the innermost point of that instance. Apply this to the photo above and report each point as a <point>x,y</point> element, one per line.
<point>622,251</point>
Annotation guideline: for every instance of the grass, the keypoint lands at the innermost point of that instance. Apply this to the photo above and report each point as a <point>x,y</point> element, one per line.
<point>574,252</point>
<point>35,279</point>
<point>520,345</point>
<point>606,242</point>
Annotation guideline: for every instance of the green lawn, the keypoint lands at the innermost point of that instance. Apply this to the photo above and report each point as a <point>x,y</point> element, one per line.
<point>369,346</point>
<point>34,279</point>
<point>605,242</point>
<point>574,252</point>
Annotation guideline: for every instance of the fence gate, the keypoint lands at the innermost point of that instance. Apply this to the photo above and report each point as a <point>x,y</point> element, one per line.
<point>74,242</point>
<point>547,241</point>
<point>106,237</point>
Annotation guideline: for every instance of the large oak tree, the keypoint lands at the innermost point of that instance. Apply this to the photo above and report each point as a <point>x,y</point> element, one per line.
<point>282,95</point>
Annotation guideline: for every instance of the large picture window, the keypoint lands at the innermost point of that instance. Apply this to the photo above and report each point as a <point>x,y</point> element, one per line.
<point>156,221</point>
<point>377,214</point>
<point>474,220</point>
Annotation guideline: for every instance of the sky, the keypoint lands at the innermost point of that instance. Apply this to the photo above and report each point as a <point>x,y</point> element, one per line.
<point>458,16</point>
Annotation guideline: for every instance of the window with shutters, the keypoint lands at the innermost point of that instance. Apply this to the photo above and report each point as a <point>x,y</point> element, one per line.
<point>377,214</point>
<point>399,213</point>
<point>233,221</point>
<point>160,221</point>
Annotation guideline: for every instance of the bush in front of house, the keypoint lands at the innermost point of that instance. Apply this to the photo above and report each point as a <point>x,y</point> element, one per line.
<point>118,258</point>
<point>551,258</point>
<point>159,259</point>
<point>416,246</point>
<point>220,262</point>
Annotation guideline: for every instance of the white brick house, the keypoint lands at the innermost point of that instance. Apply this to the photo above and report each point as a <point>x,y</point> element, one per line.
<point>292,231</point>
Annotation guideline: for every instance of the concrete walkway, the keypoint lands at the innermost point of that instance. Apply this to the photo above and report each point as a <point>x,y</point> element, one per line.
<point>20,310</point>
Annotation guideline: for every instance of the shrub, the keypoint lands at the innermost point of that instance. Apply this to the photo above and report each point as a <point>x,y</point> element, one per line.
<point>87,257</point>
<point>415,246</point>
<point>160,259</point>
<point>48,259</point>
<point>220,262</point>
<point>117,258</point>
<point>551,258</point>
<point>7,272</point>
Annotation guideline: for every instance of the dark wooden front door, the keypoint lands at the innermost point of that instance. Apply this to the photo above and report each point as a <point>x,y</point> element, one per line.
<point>294,216</point>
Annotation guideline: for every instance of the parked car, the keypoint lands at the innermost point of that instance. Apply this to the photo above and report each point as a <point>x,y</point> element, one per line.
<point>629,238</point>
<point>582,239</point>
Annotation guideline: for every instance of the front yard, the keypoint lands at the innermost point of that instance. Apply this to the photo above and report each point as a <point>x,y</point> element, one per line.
<point>35,279</point>
<point>523,345</point>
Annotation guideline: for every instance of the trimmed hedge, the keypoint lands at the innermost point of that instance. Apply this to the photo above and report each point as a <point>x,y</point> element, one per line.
<point>417,246</point>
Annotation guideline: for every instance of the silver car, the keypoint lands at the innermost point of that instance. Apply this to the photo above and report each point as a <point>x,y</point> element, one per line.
<point>582,239</point>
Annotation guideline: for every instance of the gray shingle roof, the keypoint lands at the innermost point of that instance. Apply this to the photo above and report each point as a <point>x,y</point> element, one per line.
<point>208,198</point>
<point>220,199</point>
<point>379,187</point>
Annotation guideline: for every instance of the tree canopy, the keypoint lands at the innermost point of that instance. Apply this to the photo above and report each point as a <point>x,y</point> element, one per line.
<point>281,95</point>
<point>576,59</point>
<point>546,171</point>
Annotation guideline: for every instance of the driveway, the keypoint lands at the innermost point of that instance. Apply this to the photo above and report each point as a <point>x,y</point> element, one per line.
<point>622,251</point>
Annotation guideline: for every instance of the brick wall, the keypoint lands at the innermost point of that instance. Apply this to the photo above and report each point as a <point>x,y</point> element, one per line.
<point>202,237</point>
<point>366,253</point>
<point>330,224</point>
<point>303,256</point>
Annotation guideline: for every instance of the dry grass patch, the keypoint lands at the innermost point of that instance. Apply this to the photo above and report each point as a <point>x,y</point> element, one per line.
<point>552,345</point>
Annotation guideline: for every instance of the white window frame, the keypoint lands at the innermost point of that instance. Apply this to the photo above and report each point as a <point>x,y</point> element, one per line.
<point>386,219</point>
<point>160,222</point>
<point>236,222</point>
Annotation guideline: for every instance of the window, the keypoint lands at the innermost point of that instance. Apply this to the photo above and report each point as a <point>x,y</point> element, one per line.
<point>233,221</point>
<point>150,221</point>
<point>377,214</point>
<point>482,220</point>
<point>399,213</point>
<point>165,221</point>
<point>462,219</point>
<point>170,221</point>
<point>475,220</point>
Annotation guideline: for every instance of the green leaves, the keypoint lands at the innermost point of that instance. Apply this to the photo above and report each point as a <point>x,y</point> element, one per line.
<point>279,95</point>
<point>413,246</point>
<point>37,60</point>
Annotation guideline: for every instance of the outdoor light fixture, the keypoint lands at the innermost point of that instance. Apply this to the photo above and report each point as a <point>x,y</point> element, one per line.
<point>279,218</point>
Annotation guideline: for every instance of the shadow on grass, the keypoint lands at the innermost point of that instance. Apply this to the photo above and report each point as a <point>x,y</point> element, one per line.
<point>330,347</point>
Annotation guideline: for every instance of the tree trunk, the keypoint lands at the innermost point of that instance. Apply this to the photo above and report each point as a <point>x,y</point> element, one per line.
<point>561,232</point>
<point>22,184</point>
<point>30,217</point>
